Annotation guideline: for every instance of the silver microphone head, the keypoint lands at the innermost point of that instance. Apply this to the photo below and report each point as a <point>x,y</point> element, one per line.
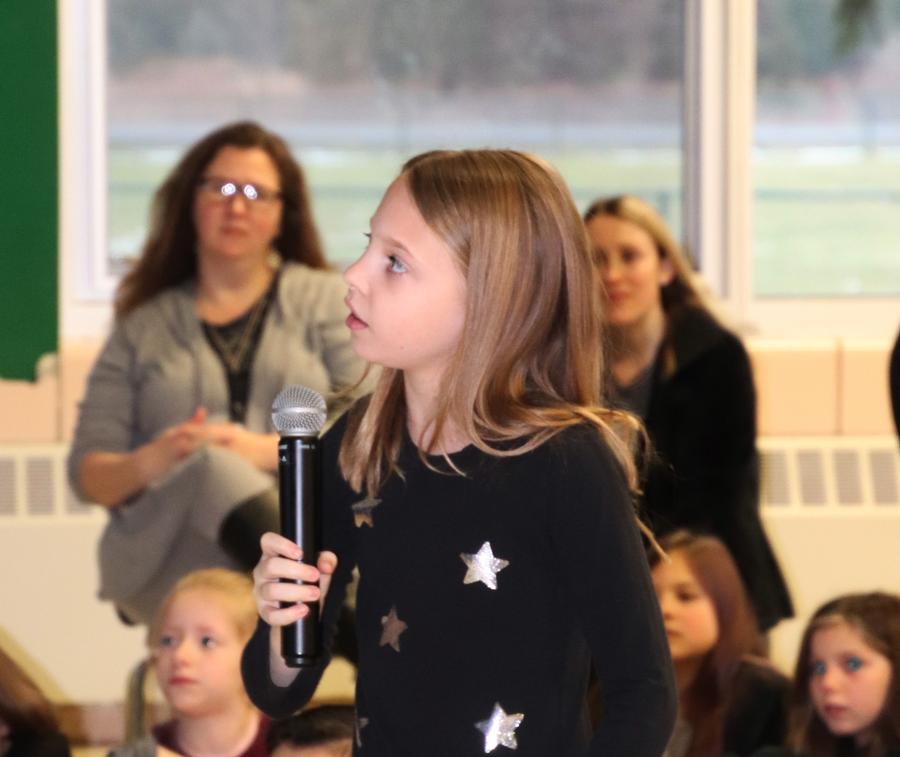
<point>298,411</point>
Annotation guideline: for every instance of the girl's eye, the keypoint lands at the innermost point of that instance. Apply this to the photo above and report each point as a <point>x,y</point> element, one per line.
<point>167,641</point>
<point>629,256</point>
<point>395,265</point>
<point>818,668</point>
<point>207,642</point>
<point>853,663</point>
<point>368,237</point>
<point>687,596</point>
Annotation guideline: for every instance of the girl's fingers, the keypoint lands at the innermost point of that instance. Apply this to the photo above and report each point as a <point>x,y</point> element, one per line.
<point>327,562</point>
<point>273,593</point>
<point>275,568</point>
<point>282,616</point>
<point>276,545</point>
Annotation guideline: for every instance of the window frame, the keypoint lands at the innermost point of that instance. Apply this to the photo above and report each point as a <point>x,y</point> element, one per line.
<point>718,126</point>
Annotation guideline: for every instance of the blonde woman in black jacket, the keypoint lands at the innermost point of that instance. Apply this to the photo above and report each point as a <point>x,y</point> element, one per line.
<point>672,363</point>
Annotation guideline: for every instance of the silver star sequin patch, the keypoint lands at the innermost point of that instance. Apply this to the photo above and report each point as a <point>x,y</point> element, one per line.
<point>391,628</point>
<point>483,566</point>
<point>358,725</point>
<point>362,511</point>
<point>500,729</point>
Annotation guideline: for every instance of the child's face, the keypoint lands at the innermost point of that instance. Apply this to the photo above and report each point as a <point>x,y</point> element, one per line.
<point>848,680</point>
<point>198,655</point>
<point>630,269</point>
<point>407,295</point>
<point>688,612</point>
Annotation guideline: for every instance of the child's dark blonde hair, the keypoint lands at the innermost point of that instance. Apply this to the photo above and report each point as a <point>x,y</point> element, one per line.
<point>529,361</point>
<point>234,589</point>
<point>877,618</point>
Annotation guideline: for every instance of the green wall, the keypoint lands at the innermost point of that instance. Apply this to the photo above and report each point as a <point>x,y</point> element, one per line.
<point>28,185</point>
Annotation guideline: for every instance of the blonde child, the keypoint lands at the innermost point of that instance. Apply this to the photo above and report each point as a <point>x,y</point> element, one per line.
<point>846,697</point>
<point>480,489</point>
<point>195,641</point>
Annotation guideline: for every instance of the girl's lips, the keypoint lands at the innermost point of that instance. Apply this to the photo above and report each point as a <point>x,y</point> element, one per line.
<point>355,324</point>
<point>834,710</point>
<point>180,680</point>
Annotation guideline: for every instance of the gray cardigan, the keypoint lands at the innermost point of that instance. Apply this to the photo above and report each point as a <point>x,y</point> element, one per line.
<point>154,371</point>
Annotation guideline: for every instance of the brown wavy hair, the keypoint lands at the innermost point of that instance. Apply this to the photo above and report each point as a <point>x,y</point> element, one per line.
<point>706,700</point>
<point>528,363</point>
<point>23,707</point>
<point>169,255</point>
<point>876,616</point>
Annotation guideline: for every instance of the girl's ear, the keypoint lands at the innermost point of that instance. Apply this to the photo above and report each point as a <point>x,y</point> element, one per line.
<point>666,271</point>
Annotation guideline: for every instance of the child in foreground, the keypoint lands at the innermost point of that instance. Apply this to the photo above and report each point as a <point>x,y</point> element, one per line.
<point>196,640</point>
<point>480,489</point>
<point>846,697</point>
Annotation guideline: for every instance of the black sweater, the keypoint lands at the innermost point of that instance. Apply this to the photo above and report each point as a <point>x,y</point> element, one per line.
<point>575,583</point>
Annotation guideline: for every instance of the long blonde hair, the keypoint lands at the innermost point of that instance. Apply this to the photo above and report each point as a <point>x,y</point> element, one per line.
<point>528,363</point>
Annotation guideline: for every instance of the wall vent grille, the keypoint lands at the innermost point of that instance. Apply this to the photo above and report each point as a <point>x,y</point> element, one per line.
<point>803,474</point>
<point>33,485</point>
<point>840,473</point>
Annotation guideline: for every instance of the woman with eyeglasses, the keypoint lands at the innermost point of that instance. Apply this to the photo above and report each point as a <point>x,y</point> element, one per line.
<point>230,301</point>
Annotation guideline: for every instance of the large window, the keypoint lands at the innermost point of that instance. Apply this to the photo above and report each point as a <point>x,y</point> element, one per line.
<point>356,88</point>
<point>827,149</point>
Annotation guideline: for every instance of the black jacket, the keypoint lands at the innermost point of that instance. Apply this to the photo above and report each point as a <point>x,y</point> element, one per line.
<point>756,714</point>
<point>704,474</point>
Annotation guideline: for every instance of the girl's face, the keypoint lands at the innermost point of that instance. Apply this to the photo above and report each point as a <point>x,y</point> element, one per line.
<point>407,295</point>
<point>848,681</point>
<point>688,612</point>
<point>236,227</point>
<point>629,269</point>
<point>198,655</point>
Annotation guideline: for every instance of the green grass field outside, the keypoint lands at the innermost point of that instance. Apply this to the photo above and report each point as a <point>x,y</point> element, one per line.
<point>827,223</point>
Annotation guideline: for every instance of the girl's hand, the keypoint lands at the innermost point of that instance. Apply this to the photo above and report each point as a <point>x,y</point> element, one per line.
<point>281,559</point>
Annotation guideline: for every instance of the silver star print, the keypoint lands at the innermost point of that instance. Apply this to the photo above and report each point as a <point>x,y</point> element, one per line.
<point>483,566</point>
<point>362,511</point>
<point>391,628</point>
<point>500,729</point>
<point>357,729</point>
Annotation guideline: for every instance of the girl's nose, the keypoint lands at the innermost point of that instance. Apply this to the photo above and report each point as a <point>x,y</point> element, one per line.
<point>183,651</point>
<point>353,274</point>
<point>666,605</point>
<point>830,679</point>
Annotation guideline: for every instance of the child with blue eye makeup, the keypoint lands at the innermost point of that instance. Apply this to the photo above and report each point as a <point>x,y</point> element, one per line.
<point>195,642</point>
<point>846,698</point>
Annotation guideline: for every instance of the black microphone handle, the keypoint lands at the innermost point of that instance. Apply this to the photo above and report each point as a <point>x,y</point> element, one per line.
<point>299,490</point>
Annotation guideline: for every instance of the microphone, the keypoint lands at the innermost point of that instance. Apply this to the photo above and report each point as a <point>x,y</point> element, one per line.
<point>299,414</point>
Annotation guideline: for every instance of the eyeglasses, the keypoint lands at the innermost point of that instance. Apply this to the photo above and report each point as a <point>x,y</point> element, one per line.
<point>224,189</point>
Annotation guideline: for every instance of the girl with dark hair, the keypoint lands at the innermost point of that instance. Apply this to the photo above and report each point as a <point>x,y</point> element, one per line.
<point>28,726</point>
<point>229,302</point>
<point>689,379</point>
<point>846,695</point>
<point>481,489</point>
<point>730,702</point>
